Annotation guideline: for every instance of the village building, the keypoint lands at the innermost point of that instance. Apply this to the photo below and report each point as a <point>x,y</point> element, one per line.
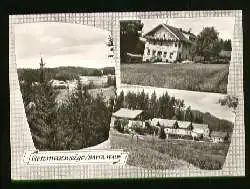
<point>166,43</point>
<point>182,128</point>
<point>201,129</point>
<point>59,84</point>
<point>134,117</point>
<point>217,136</point>
<point>225,54</point>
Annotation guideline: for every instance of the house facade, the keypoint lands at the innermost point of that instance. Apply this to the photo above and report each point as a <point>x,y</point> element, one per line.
<point>166,43</point>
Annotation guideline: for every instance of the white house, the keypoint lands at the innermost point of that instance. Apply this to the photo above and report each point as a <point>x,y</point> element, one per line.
<point>168,44</point>
<point>201,129</point>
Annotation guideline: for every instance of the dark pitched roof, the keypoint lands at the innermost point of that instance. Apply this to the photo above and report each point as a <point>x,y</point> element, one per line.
<point>176,31</point>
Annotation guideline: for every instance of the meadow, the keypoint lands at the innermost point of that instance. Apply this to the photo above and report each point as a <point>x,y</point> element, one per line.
<point>193,77</point>
<point>155,153</point>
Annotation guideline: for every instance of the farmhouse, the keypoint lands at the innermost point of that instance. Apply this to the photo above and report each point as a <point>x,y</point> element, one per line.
<point>168,44</point>
<point>218,136</point>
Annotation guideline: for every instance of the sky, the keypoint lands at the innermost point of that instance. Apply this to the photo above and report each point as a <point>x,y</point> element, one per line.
<point>61,44</point>
<point>224,25</point>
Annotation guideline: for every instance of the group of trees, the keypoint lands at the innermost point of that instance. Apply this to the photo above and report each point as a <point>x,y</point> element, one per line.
<point>81,121</point>
<point>130,33</point>
<point>167,107</point>
<point>209,45</point>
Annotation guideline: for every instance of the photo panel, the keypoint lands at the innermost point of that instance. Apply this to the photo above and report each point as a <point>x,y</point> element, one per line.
<point>177,53</point>
<point>67,87</point>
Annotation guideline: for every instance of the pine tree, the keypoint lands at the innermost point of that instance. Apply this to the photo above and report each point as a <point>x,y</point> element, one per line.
<point>153,106</point>
<point>42,117</point>
<point>119,101</point>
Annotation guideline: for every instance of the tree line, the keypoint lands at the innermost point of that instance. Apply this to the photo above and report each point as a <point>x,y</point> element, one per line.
<point>167,107</point>
<point>62,73</point>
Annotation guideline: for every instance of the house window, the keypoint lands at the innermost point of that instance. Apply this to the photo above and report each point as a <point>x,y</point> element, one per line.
<point>170,55</point>
<point>175,44</point>
<point>154,52</point>
<point>165,54</point>
<point>148,51</point>
<point>179,56</point>
<point>159,53</point>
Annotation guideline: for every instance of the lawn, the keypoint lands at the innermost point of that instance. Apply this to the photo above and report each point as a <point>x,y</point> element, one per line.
<point>194,77</point>
<point>170,154</point>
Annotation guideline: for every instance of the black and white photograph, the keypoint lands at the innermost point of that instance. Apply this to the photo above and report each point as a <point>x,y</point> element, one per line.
<point>67,80</point>
<point>173,110</point>
<point>182,53</point>
<point>109,95</point>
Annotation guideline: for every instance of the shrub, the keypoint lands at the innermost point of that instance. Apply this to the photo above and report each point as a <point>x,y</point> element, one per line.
<point>118,125</point>
<point>111,81</point>
<point>162,134</point>
<point>230,101</point>
<point>109,70</point>
<point>61,87</point>
<point>138,129</point>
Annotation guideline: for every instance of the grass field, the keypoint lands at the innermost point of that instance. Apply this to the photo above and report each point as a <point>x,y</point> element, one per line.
<point>169,154</point>
<point>194,77</point>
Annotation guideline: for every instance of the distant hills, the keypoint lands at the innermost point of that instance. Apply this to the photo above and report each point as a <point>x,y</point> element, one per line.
<point>62,73</point>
